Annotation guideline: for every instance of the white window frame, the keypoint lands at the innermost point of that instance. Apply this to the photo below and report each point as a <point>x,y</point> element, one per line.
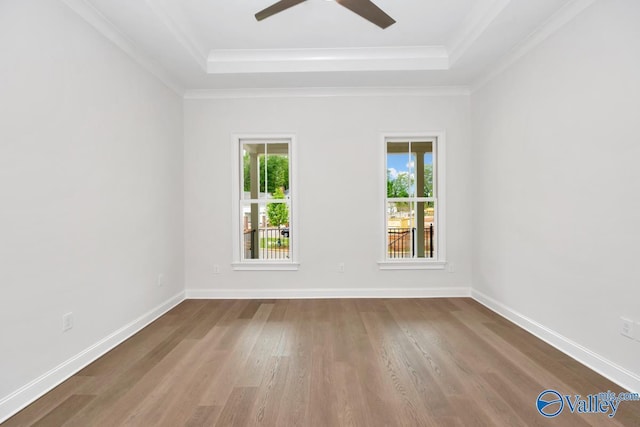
<point>438,262</point>
<point>239,263</point>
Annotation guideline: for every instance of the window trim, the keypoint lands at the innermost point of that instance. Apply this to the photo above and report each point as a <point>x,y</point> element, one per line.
<point>238,264</point>
<point>439,263</point>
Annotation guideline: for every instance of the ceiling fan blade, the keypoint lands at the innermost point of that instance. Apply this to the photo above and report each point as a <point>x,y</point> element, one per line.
<point>368,11</point>
<point>276,8</point>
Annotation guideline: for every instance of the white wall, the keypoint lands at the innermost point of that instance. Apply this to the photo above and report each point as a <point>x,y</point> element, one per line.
<point>91,189</point>
<point>557,184</point>
<point>339,152</point>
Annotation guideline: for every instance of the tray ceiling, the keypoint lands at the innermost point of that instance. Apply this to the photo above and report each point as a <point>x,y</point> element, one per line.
<point>214,44</point>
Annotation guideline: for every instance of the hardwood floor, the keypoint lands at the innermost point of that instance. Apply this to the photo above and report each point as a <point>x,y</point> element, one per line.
<point>374,362</point>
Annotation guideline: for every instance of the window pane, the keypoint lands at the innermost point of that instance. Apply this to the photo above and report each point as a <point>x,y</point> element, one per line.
<point>400,226</point>
<point>424,168</point>
<point>266,234</point>
<point>265,170</point>
<point>275,237</point>
<point>252,220</point>
<point>411,230</point>
<point>246,174</point>
<point>425,229</point>
<point>277,171</point>
<point>400,175</point>
<point>253,174</point>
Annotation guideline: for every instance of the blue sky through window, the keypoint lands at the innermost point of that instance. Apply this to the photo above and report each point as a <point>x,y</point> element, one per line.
<point>399,163</point>
<point>404,164</point>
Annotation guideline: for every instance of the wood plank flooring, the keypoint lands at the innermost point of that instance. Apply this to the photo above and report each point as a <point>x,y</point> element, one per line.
<point>366,362</point>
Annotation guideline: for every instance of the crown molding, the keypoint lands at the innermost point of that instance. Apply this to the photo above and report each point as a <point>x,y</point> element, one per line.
<point>474,28</point>
<point>98,21</point>
<point>558,20</point>
<point>319,92</point>
<point>188,42</point>
<point>225,61</point>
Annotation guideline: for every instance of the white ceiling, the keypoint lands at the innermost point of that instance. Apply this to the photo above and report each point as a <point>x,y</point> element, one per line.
<point>218,44</point>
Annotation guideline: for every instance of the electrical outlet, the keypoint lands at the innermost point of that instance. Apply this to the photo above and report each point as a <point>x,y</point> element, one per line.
<point>451,268</point>
<point>341,267</point>
<point>67,322</point>
<point>160,280</point>
<point>216,269</point>
<point>626,327</point>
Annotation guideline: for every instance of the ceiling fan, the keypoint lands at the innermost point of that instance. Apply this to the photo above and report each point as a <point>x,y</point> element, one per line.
<point>364,8</point>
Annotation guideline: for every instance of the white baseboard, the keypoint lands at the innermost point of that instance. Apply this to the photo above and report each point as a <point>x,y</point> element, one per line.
<point>19,399</point>
<point>619,375</point>
<point>442,292</point>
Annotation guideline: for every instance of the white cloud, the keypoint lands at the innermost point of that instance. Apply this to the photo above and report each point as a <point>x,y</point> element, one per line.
<point>393,174</point>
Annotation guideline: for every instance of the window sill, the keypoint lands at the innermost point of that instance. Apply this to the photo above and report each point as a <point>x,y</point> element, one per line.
<point>265,266</point>
<point>412,265</point>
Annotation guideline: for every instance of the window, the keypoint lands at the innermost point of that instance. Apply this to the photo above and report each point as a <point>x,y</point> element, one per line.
<point>413,203</point>
<point>264,206</point>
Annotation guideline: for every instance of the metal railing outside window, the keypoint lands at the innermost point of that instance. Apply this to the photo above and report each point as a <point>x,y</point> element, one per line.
<point>401,242</point>
<point>267,243</point>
